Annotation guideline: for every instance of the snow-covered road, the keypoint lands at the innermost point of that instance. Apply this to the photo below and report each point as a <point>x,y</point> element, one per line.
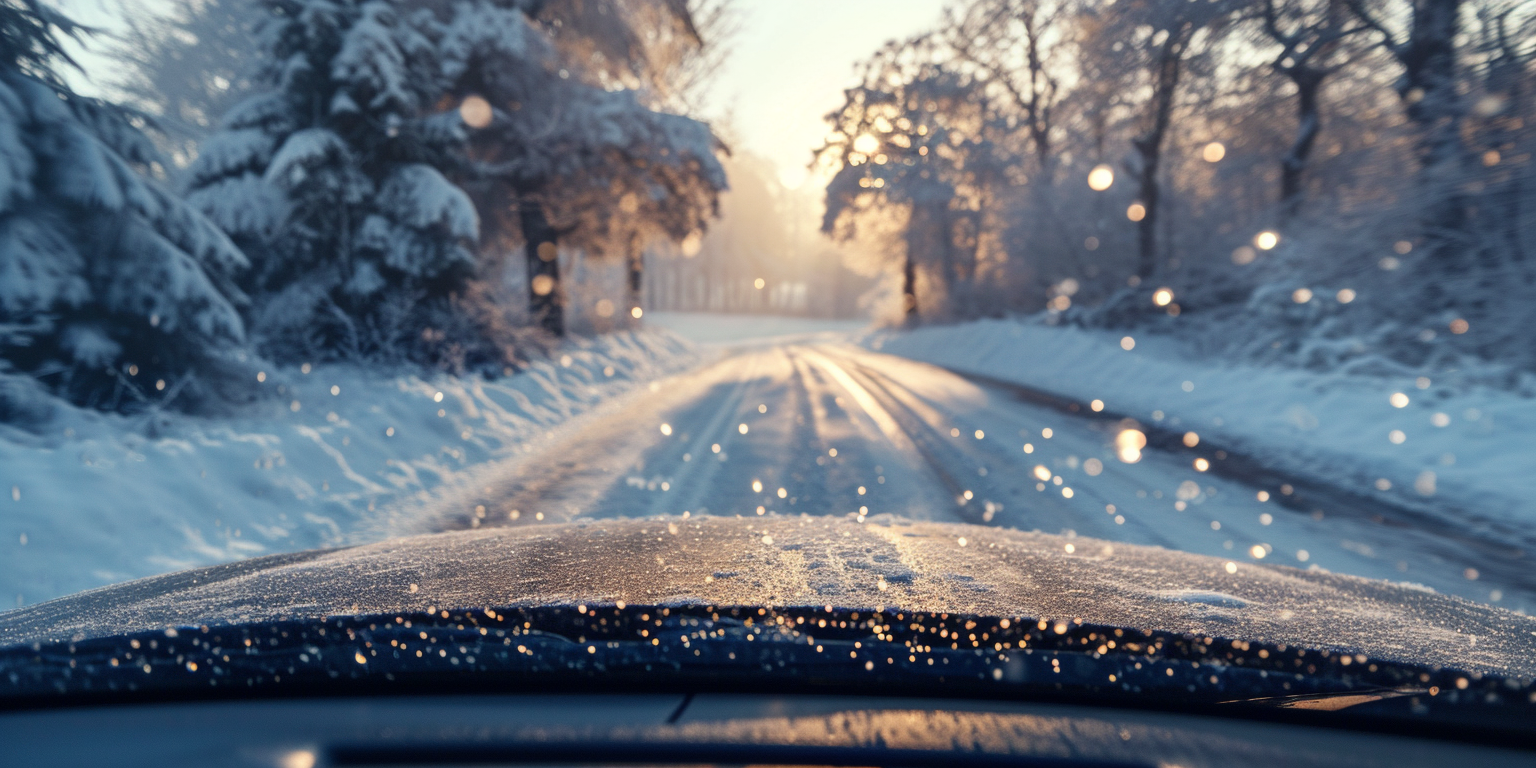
<point>816,426</point>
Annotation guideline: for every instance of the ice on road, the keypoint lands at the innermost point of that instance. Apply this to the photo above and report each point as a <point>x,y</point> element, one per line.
<point>811,425</point>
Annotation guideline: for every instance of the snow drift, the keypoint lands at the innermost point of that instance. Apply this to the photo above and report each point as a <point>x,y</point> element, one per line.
<point>92,498</point>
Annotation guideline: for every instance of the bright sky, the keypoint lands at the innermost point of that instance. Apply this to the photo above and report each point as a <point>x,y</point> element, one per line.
<point>790,62</point>
<point>99,14</point>
<point>788,65</point>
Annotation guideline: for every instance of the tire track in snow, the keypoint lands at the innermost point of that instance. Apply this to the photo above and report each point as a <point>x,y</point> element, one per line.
<point>575,473</point>
<point>895,425</point>
<point>1358,535</point>
<point>1009,474</point>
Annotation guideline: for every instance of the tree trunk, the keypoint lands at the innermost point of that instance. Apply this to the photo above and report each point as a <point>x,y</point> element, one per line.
<point>1039,80</point>
<point>1309,124</point>
<point>1506,76</point>
<point>909,289</point>
<point>636,259</point>
<point>1148,194</point>
<point>1428,88</point>
<point>545,297</point>
<point>1149,146</point>
<point>944,223</point>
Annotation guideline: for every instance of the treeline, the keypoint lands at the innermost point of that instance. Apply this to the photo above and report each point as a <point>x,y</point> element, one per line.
<point>307,180</point>
<point>1355,175</point>
<point>763,255</point>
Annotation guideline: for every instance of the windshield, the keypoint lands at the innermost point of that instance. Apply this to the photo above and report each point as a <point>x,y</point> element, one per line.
<point>1151,335</point>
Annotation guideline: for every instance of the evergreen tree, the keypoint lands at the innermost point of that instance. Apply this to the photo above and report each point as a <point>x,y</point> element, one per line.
<point>113,292</point>
<point>330,178</point>
<point>187,64</point>
<point>570,144</point>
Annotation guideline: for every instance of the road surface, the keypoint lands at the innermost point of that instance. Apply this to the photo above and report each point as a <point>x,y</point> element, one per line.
<point>815,426</point>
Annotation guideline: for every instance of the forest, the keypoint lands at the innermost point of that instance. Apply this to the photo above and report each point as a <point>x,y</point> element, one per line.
<point>1337,184</point>
<point>311,180</point>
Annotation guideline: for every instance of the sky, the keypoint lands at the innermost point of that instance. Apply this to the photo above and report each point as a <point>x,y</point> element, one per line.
<point>789,63</point>
<point>103,15</point>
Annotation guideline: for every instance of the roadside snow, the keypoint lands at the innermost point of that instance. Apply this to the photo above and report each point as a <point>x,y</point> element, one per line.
<point>95,499</point>
<point>725,328</point>
<point>1459,451</point>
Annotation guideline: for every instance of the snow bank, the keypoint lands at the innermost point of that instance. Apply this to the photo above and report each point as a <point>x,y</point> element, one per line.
<point>92,498</point>
<point>725,328</point>
<point>1460,451</point>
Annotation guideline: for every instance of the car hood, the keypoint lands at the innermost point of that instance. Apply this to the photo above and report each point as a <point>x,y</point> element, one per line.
<point>813,562</point>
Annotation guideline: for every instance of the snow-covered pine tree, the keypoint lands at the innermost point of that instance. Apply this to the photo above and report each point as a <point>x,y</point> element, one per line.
<point>186,62</point>
<point>113,292</point>
<point>329,177</point>
<point>570,145</point>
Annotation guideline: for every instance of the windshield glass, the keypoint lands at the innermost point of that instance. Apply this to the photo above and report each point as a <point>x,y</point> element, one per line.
<point>1135,332</point>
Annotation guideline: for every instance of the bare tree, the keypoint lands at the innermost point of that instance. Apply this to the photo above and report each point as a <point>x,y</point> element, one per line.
<point>1428,89</point>
<point>1012,42</point>
<point>1311,35</point>
<point>1156,42</point>
<point>1506,45</point>
<point>921,142</point>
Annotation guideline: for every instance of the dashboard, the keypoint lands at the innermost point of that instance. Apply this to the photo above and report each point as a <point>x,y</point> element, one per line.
<point>686,729</point>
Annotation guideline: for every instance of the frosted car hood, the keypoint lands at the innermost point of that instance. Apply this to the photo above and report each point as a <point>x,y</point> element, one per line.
<point>813,562</point>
